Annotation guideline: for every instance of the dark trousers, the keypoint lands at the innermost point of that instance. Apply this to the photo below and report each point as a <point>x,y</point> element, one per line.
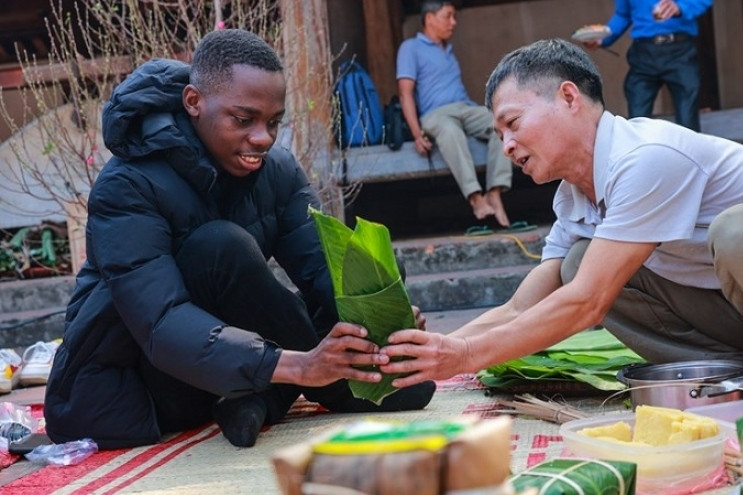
<point>651,66</point>
<point>227,275</point>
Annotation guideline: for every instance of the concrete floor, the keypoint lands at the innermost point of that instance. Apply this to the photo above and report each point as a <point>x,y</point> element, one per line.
<point>448,321</point>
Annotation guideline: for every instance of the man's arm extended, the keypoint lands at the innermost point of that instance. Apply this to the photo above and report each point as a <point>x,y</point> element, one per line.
<point>561,312</point>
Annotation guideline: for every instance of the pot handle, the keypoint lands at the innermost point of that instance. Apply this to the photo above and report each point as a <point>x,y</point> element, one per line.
<point>720,388</point>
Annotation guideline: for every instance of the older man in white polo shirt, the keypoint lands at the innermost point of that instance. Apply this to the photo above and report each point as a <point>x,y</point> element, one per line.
<point>648,238</point>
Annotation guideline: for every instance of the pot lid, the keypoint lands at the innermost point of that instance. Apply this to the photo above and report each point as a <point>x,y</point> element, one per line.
<point>709,370</point>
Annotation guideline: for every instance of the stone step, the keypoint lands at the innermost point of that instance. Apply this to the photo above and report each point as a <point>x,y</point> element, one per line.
<point>460,253</point>
<point>443,273</point>
<point>35,294</point>
<point>435,292</point>
<point>23,328</point>
<point>465,289</point>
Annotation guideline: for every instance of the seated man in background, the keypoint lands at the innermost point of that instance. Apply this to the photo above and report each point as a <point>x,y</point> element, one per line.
<point>435,103</point>
<point>648,238</point>
<point>176,318</point>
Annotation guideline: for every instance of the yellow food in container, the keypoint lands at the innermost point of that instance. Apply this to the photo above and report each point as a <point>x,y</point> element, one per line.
<point>664,461</point>
<point>657,426</point>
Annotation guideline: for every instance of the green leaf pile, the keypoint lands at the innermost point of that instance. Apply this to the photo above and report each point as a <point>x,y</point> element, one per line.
<point>591,356</point>
<point>367,286</point>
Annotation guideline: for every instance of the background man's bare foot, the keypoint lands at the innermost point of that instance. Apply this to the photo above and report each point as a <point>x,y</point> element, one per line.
<point>480,206</point>
<point>494,200</point>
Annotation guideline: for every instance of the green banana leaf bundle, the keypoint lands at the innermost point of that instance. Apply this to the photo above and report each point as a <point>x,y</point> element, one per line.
<point>565,476</point>
<point>367,285</point>
<point>591,357</point>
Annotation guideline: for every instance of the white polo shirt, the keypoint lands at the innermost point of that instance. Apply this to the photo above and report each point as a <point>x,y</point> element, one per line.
<point>655,182</point>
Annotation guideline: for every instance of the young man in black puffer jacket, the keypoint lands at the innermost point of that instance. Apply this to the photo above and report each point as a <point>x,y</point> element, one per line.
<point>176,318</point>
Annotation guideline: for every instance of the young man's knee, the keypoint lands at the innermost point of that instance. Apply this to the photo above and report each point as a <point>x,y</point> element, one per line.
<point>219,241</point>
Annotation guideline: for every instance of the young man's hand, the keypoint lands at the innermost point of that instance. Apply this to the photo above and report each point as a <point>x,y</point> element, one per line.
<point>334,358</point>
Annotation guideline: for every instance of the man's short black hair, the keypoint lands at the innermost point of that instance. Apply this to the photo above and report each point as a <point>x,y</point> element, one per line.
<point>431,7</point>
<point>543,65</point>
<point>219,50</point>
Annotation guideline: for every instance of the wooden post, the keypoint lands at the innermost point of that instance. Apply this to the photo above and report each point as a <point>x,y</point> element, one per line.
<point>77,217</point>
<point>383,24</point>
<point>307,61</point>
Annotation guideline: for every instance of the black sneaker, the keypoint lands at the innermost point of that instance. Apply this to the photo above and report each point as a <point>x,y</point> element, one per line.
<point>241,419</point>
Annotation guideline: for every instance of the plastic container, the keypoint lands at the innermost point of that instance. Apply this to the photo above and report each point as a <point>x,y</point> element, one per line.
<point>660,470</point>
<point>727,411</point>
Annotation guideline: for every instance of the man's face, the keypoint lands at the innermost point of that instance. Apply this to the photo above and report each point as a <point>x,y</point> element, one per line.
<point>442,22</point>
<point>239,122</point>
<point>529,126</point>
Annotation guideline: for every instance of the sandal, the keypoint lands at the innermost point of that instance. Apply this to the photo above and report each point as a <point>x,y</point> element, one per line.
<point>476,230</point>
<point>520,226</point>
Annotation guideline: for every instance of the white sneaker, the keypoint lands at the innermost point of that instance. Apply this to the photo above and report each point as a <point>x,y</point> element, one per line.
<point>37,362</point>
<point>10,362</point>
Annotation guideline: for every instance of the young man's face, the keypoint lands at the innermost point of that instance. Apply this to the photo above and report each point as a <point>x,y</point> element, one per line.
<point>442,22</point>
<point>529,126</point>
<point>239,122</point>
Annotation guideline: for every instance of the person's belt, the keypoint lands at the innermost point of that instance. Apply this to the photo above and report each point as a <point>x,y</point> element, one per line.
<point>664,39</point>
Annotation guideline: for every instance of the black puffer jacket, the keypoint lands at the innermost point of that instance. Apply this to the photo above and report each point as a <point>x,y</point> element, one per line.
<point>130,300</point>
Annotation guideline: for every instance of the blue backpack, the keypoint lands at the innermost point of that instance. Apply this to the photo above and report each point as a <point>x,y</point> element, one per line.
<point>362,120</point>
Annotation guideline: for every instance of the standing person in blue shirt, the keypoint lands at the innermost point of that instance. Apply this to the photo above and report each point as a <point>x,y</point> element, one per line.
<point>435,103</point>
<point>663,52</point>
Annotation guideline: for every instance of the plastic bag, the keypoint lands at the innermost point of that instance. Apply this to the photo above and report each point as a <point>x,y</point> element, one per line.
<point>16,421</point>
<point>63,454</point>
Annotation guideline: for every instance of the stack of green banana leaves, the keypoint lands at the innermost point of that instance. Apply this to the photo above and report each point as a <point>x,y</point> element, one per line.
<point>367,286</point>
<point>585,362</point>
<point>578,476</point>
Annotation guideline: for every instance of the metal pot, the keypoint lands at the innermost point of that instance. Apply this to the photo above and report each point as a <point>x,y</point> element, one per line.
<point>684,384</point>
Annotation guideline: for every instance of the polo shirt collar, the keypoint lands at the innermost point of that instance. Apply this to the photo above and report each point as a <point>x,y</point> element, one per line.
<point>425,39</point>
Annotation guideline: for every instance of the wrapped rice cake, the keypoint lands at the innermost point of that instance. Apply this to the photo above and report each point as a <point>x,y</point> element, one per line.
<point>392,458</point>
<point>578,477</point>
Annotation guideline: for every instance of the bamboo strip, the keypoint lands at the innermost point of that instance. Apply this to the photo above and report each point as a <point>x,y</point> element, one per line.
<point>552,411</point>
<point>735,469</point>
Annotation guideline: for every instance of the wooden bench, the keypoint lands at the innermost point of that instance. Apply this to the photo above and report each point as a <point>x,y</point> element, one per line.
<point>380,164</point>
<point>369,164</point>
